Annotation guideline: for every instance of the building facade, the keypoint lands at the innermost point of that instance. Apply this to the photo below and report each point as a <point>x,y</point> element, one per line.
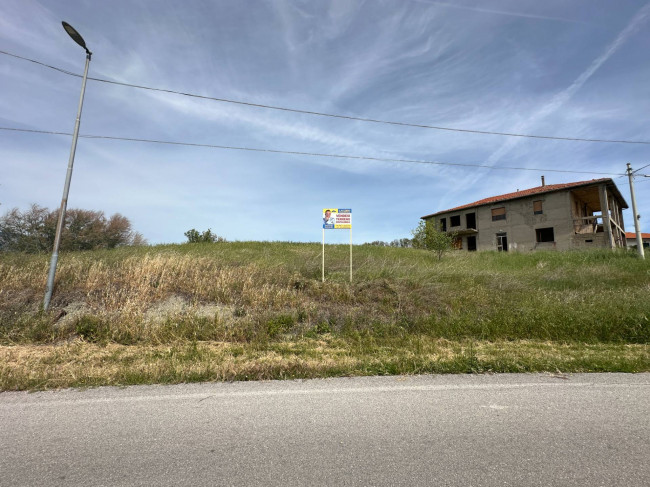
<point>585,214</point>
<point>631,240</point>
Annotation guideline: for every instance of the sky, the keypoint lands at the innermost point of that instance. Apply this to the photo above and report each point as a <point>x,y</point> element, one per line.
<point>576,69</point>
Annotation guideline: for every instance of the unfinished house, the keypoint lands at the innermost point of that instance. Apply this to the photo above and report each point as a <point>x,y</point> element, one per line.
<point>585,214</point>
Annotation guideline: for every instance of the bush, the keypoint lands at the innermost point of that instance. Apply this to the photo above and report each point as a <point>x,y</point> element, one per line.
<point>194,236</point>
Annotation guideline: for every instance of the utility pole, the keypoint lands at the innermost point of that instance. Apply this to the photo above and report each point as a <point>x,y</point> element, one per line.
<point>637,228</point>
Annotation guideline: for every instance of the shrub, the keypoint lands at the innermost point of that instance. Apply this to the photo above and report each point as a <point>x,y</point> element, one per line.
<point>194,236</point>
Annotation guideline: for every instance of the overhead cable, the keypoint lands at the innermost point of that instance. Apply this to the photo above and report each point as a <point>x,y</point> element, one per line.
<point>312,154</point>
<point>330,115</point>
<point>637,170</point>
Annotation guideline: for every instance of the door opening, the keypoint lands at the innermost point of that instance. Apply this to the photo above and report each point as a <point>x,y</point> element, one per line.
<point>471,243</point>
<point>502,242</point>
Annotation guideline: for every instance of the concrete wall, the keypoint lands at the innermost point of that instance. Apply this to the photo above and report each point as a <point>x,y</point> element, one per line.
<point>589,241</point>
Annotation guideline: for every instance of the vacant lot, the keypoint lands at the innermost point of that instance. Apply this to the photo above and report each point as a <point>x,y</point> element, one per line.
<point>253,310</point>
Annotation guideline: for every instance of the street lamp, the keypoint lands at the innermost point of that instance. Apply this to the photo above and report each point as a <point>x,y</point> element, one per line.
<point>66,189</point>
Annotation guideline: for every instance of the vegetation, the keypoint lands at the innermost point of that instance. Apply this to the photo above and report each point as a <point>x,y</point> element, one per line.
<point>194,236</point>
<point>430,237</point>
<point>398,242</point>
<point>33,230</point>
<point>253,310</point>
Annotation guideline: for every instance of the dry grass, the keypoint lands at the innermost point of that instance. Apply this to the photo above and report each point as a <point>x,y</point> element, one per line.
<point>82,364</point>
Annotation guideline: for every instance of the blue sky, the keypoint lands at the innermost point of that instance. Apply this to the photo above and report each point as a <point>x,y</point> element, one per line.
<point>562,68</point>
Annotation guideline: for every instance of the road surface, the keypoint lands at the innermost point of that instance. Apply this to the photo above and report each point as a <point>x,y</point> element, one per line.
<point>456,430</point>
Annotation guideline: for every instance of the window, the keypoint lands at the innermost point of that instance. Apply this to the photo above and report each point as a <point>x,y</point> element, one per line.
<point>545,235</point>
<point>457,243</point>
<point>537,207</point>
<point>443,224</point>
<point>454,221</point>
<point>498,214</point>
<point>471,220</point>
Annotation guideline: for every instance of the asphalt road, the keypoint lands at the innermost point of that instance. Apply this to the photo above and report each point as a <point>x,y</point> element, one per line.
<point>522,430</point>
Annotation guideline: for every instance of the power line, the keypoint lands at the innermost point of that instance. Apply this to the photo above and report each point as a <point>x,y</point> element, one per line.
<point>40,63</point>
<point>330,115</point>
<point>311,154</point>
<point>637,170</point>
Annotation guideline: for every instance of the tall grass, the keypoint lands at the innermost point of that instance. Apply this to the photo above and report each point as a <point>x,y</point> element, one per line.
<point>261,291</point>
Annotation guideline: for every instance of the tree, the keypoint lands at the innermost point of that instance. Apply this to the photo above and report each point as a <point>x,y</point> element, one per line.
<point>428,236</point>
<point>194,236</point>
<point>27,231</point>
<point>402,242</point>
<point>398,242</point>
<point>34,230</point>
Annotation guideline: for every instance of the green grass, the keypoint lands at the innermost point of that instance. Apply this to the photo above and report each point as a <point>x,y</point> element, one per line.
<point>588,311</point>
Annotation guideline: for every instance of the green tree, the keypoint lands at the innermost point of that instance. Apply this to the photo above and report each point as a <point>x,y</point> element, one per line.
<point>34,229</point>
<point>194,236</point>
<point>428,236</point>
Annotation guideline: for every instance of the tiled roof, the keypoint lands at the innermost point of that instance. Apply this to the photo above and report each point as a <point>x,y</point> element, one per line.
<point>632,235</point>
<point>521,194</point>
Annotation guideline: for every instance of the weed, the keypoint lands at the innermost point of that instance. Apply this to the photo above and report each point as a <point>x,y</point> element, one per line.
<point>279,324</point>
<point>92,329</point>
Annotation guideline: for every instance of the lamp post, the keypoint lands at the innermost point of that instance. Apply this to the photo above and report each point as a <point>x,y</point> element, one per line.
<point>66,188</point>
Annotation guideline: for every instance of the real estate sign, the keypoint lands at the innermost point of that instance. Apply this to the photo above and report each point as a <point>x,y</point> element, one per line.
<point>337,218</point>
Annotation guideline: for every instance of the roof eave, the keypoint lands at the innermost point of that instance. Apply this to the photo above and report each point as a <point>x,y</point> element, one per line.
<point>608,181</point>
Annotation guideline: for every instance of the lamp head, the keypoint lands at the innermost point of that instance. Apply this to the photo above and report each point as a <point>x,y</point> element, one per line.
<point>75,35</point>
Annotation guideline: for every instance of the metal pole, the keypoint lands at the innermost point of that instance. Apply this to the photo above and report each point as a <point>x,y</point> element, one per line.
<point>350,254</point>
<point>66,189</point>
<point>637,228</point>
<point>323,266</point>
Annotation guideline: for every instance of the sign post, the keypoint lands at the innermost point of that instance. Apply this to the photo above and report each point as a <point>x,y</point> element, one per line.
<point>350,253</point>
<point>337,218</point>
<point>323,267</point>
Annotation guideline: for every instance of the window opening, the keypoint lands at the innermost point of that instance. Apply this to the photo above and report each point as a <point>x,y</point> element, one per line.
<point>545,235</point>
<point>498,214</point>
<point>471,220</point>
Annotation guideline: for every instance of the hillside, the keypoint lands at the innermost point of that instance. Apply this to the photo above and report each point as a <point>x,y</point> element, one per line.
<point>249,310</point>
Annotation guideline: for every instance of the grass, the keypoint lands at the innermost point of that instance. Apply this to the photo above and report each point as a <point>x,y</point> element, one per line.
<point>257,310</point>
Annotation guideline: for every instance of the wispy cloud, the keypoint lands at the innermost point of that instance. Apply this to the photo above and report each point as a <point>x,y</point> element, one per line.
<point>499,12</point>
<point>29,23</point>
<point>561,98</point>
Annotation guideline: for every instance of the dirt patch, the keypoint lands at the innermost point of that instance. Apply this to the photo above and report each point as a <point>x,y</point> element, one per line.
<point>178,306</point>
